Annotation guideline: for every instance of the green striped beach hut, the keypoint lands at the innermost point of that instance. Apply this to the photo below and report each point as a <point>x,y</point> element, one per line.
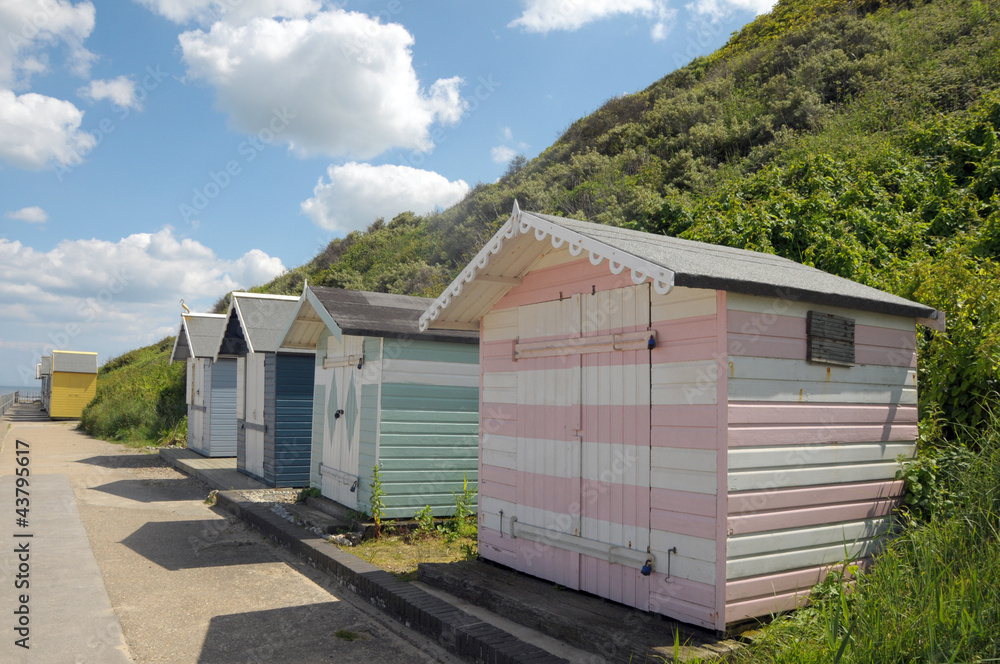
<point>387,394</point>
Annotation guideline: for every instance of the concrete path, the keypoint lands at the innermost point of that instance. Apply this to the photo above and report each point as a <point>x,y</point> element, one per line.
<point>186,582</point>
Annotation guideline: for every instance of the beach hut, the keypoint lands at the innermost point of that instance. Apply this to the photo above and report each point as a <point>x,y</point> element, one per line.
<point>693,430</point>
<point>45,373</point>
<point>274,390</point>
<point>210,389</point>
<point>388,394</point>
<point>73,383</point>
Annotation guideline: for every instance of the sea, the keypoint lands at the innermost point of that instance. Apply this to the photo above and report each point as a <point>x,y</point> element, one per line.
<point>7,389</point>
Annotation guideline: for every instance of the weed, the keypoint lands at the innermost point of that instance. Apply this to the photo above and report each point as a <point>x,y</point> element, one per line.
<point>425,521</point>
<point>377,500</point>
<point>309,492</point>
<point>347,635</point>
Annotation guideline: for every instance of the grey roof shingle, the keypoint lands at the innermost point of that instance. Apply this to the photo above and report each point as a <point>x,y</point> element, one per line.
<point>264,319</point>
<point>702,265</point>
<point>363,313</point>
<point>203,334</point>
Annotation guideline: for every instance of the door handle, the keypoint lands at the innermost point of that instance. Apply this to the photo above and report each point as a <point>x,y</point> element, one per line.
<point>337,415</point>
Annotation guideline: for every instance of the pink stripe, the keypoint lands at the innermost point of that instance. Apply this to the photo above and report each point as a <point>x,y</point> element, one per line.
<point>687,502</point>
<point>766,606</point>
<point>795,349</point>
<point>546,562</point>
<point>618,583</point>
<point>749,502</point>
<point>771,584</point>
<point>549,283</point>
<point>827,414</point>
<point>767,335</point>
<point>678,329</point>
<point>809,516</point>
<point>498,427</point>
<point>499,475</point>
<point>612,502</point>
<point>690,591</point>
<point>608,424</point>
<point>683,524</point>
<point>785,435</point>
<point>675,597</point>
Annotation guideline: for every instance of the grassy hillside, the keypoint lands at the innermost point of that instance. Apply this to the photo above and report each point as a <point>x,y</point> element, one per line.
<point>860,137</point>
<point>140,398</point>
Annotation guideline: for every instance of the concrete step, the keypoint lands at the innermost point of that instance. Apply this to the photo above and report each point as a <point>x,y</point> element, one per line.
<point>314,518</point>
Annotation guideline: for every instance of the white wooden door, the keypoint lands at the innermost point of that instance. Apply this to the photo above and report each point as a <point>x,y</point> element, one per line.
<point>583,383</point>
<point>254,413</point>
<point>549,444</point>
<point>616,441</point>
<point>340,471</point>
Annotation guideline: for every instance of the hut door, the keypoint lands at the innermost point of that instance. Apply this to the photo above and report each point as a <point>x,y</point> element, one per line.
<point>254,413</point>
<point>548,423</point>
<point>583,440</point>
<point>616,441</point>
<point>341,481</point>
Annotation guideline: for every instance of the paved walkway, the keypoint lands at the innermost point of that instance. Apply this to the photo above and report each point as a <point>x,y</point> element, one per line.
<point>184,582</point>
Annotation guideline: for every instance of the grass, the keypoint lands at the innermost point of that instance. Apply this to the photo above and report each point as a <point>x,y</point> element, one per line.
<point>400,554</point>
<point>140,399</point>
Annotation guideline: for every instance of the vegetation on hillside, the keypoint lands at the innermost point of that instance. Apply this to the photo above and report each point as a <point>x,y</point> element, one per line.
<point>140,398</point>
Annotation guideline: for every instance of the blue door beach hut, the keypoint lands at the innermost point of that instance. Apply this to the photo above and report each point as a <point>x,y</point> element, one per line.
<point>274,390</point>
<point>388,394</point>
<point>693,430</point>
<point>211,387</point>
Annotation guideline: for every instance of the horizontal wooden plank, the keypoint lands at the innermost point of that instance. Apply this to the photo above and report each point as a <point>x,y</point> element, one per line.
<point>749,502</point>
<point>801,558</point>
<point>741,524</point>
<point>828,414</point>
<point>755,544</point>
<point>775,478</point>
<point>812,455</point>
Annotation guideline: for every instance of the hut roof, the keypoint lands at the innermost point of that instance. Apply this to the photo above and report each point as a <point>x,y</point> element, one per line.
<point>666,261</point>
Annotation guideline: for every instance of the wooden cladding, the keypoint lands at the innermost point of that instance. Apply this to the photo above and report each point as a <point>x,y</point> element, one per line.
<point>598,344</point>
<point>830,339</point>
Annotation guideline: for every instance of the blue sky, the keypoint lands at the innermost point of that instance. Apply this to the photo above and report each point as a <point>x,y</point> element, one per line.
<point>152,150</point>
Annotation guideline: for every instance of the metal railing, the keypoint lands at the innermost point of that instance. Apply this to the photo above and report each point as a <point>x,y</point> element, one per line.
<point>6,401</point>
<point>28,396</point>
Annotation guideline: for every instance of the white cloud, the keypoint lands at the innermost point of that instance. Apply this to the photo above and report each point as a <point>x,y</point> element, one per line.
<point>109,297</point>
<point>543,16</point>
<point>29,27</point>
<point>502,154</point>
<point>36,131</point>
<point>32,215</point>
<point>121,91</point>
<point>347,79</point>
<point>358,194</point>
<point>718,9</point>
<point>232,11</point>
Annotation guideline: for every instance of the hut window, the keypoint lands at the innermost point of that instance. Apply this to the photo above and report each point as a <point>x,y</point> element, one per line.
<point>830,339</point>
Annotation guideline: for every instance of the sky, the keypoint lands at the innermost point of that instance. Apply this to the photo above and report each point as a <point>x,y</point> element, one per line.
<point>159,150</point>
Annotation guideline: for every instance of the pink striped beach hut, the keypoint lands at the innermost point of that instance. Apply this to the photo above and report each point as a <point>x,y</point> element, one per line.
<point>693,430</point>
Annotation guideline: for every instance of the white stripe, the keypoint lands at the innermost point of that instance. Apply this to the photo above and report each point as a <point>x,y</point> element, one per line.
<point>811,455</point>
<point>419,372</point>
<point>796,559</point>
<point>756,480</point>
<point>776,306</point>
<point>801,538</point>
